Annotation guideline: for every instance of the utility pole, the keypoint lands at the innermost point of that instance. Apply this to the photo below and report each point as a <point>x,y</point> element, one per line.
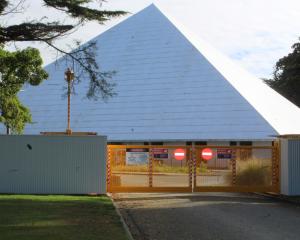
<point>69,76</point>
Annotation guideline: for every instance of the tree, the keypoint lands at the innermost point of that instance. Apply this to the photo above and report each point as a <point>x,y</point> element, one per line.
<point>14,115</point>
<point>82,57</point>
<point>18,68</point>
<point>286,76</point>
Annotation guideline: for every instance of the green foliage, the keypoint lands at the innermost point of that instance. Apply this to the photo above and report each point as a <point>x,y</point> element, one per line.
<point>18,68</point>
<point>76,10</point>
<point>3,5</point>
<point>286,77</point>
<point>38,30</point>
<point>14,115</point>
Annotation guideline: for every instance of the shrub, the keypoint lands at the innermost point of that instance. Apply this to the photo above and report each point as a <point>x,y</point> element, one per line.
<point>253,172</point>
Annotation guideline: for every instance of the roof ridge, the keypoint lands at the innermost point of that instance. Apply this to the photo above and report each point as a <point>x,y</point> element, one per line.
<point>234,72</point>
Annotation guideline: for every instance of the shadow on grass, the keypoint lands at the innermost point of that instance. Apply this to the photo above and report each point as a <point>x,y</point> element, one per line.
<point>58,217</point>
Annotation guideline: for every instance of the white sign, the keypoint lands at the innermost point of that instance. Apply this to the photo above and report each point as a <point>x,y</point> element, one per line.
<point>138,156</point>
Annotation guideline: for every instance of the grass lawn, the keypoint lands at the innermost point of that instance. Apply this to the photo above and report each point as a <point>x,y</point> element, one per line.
<point>26,217</point>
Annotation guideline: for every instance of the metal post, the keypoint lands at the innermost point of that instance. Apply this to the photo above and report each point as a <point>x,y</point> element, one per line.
<point>190,165</point>
<point>69,103</point>
<point>194,165</point>
<point>151,167</point>
<point>275,166</point>
<point>69,76</point>
<point>233,165</point>
<point>108,168</point>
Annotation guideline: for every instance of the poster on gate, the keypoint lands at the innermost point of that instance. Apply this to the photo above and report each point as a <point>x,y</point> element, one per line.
<point>224,153</point>
<point>160,153</point>
<point>137,156</point>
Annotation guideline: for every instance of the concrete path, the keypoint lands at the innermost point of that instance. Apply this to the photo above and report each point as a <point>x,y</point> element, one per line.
<point>204,216</point>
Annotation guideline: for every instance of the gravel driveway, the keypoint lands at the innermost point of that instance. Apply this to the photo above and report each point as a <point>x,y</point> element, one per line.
<point>204,216</point>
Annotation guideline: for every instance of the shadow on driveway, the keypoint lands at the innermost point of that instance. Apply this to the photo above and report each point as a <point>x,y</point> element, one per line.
<point>208,216</point>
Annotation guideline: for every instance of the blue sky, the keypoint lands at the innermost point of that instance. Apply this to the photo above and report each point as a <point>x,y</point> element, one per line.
<point>253,33</point>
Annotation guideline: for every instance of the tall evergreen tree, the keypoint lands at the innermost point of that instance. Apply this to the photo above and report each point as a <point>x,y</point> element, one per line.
<point>286,77</point>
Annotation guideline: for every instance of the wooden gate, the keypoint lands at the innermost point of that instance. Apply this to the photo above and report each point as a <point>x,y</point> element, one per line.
<point>183,169</point>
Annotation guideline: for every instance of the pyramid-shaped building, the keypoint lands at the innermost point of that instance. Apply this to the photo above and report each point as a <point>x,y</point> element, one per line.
<point>170,85</point>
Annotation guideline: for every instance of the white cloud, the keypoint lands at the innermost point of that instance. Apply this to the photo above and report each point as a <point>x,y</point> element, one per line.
<point>254,33</point>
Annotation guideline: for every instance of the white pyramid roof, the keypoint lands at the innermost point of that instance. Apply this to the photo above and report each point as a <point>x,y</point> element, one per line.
<point>170,86</point>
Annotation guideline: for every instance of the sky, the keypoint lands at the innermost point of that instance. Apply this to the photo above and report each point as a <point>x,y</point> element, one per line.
<point>253,33</point>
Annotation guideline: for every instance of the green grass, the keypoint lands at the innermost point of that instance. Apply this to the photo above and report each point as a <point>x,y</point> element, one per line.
<point>26,217</point>
<point>157,169</point>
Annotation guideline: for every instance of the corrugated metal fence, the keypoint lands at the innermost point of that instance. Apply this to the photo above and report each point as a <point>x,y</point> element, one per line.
<point>53,164</point>
<point>290,166</point>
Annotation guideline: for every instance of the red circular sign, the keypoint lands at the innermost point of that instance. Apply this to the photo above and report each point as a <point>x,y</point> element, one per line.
<point>207,154</point>
<point>179,154</point>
